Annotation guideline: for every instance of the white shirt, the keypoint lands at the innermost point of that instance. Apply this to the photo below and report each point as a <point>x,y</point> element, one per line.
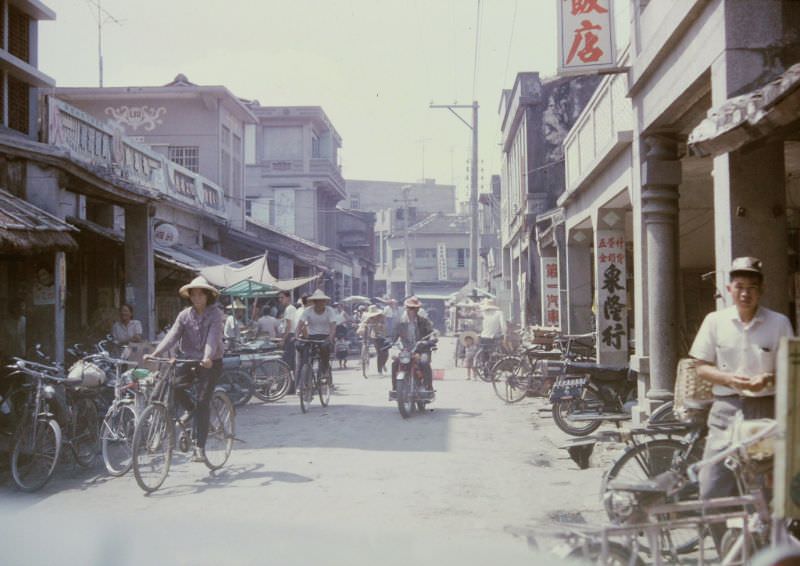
<point>288,318</point>
<point>318,323</point>
<point>123,334</point>
<point>338,317</point>
<point>494,324</point>
<point>231,329</point>
<point>744,349</point>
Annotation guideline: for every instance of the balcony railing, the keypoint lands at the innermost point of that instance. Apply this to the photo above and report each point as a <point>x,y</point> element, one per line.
<point>99,145</point>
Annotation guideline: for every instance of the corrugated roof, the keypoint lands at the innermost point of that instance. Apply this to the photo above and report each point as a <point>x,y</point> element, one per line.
<point>27,229</point>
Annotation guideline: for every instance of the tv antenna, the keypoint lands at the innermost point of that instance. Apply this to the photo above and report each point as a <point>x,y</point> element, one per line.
<point>103,17</point>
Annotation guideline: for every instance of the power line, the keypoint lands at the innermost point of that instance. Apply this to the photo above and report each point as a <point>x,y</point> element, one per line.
<point>477,39</point>
<point>510,41</point>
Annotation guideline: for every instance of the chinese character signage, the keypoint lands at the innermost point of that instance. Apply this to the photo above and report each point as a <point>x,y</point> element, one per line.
<point>441,260</point>
<point>586,36</point>
<point>550,292</point>
<point>611,310</point>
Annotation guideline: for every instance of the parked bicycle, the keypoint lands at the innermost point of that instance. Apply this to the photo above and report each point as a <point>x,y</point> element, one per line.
<point>311,379</point>
<point>160,429</point>
<point>58,410</point>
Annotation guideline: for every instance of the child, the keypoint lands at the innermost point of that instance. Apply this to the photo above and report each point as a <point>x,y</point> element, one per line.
<point>470,349</point>
<point>342,346</point>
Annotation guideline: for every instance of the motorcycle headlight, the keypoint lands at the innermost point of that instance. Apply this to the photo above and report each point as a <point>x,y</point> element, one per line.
<point>405,358</point>
<point>49,391</point>
<point>620,505</point>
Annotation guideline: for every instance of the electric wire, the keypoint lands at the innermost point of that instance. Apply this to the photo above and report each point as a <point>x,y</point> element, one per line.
<point>477,40</point>
<point>510,41</point>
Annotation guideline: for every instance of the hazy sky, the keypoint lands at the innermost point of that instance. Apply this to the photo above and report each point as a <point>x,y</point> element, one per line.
<point>373,65</point>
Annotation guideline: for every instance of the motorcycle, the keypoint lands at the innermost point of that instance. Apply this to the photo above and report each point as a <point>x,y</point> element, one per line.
<point>413,370</point>
<point>586,394</point>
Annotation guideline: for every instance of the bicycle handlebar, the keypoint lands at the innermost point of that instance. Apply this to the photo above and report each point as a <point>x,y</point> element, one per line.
<point>170,360</point>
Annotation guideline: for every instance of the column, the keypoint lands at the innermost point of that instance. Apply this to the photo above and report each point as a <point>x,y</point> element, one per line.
<point>579,282</point>
<point>661,175</point>
<point>60,283</point>
<point>611,290</point>
<point>140,272</point>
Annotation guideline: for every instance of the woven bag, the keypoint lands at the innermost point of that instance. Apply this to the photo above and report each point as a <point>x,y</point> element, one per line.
<point>693,395</point>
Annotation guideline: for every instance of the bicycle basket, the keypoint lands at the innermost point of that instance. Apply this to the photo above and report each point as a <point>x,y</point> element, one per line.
<point>86,374</point>
<point>693,395</point>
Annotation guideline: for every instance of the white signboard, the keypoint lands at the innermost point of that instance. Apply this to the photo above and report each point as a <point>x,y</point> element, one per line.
<point>441,260</point>
<point>284,210</point>
<point>551,297</point>
<point>612,310</point>
<point>585,36</point>
<point>166,235</point>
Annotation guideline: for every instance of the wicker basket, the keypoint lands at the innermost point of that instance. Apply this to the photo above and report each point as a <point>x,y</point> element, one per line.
<point>693,395</point>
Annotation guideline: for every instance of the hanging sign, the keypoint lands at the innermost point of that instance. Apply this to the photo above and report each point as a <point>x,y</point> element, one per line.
<point>441,260</point>
<point>166,235</point>
<point>585,36</point>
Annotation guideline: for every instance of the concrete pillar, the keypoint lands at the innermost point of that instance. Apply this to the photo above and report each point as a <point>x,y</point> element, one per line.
<point>60,276</point>
<point>140,267</point>
<point>660,177</point>
<point>579,282</point>
<point>611,289</point>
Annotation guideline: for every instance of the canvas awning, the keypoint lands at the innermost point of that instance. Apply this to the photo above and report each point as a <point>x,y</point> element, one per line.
<point>225,275</point>
<point>749,117</point>
<point>249,289</point>
<point>26,229</point>
<point>191,259</point>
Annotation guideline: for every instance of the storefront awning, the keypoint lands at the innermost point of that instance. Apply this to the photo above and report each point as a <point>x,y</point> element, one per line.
<point>26,229</point>
<point>749,117</point>
<point>227,274</point>
<point>191,259</point>
<point>435,292</point>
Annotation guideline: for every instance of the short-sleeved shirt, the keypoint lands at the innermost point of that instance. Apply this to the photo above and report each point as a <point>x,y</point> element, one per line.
<point>198,336</point>
<point>268,325</point>
<point>123,334</point>
<point>288,318</point>
<point>494,324</point>
<point>746,349</point>
<point>318,323</point>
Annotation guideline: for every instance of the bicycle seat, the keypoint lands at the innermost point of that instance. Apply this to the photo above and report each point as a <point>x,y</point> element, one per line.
<point>598,371</point>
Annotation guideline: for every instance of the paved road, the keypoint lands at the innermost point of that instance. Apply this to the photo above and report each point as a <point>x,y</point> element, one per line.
<point>468,481</point>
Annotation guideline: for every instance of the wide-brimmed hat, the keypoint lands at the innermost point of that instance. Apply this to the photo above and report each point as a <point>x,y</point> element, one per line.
<point>318,295</point>
<point>373,311</point>
<point>468,333</point>
<point>489,305</point>
<point>746,265</point>
<point>413,302</point>
<point>236,305</point>
<point>198,282</point>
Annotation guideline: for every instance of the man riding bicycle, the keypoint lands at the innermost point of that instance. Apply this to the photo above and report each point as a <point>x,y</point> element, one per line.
<point>411,328</point>
<point>318,322</point>
<point>198,332</point>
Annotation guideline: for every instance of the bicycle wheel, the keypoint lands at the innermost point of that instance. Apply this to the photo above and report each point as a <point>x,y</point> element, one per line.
<point>153,442</point>
<point>563,409</point>
<point>272,379</point>
<point>116,438</point>
<point>617,554</point>
<point>643,462</point>
<point>509,383</point>
<point>483,365</point>
<point>305,387</point>
<point>238,385</point>
<point>324,386</point>
<point>85,432</point>
<point>35,453</point>
<point>221,431</point>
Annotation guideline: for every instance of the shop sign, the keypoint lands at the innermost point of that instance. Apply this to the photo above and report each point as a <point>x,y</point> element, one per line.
<point>166,235</point>
<point>585,36</point>
<point>612,313</point>
<point>551,303</point>
<point>441,260</point>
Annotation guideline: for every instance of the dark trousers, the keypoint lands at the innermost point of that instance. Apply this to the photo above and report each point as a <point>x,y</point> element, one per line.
<point>288,351</point>
<point>717,480</point>
<point>383,354</point>
<point>204,380</point>
<point>324,353</point>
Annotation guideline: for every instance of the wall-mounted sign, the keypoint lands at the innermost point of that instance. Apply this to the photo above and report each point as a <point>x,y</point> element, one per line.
<point>441,260</point>
<point>551,295</point>
<point>135,117</point>
<point>166,235</point>
<point>585,36</point>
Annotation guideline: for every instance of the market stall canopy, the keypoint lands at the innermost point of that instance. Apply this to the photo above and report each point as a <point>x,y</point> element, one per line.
<point>227,275</point>
<point>356,299</point>
<point>251,289</point>
<point>26,229</point>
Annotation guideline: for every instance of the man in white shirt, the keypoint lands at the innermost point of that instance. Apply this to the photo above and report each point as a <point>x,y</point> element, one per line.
<point>317,323</point>
<point>287,326</point>
<point>736,349</point>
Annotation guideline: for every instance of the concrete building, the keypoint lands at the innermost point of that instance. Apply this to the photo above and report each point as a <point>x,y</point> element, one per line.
<point>490,269</point>
<point>199,127</point>
<point>374,196</point>
<point>673,215</point>
<point>535,117</point>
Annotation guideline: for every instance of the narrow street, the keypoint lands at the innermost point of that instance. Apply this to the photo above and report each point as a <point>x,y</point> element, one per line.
<point>471,479</point>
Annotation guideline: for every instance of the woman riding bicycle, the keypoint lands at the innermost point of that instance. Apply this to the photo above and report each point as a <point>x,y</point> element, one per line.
<point>373,329</point>
<point>198,332</point>
<point>318,322</point>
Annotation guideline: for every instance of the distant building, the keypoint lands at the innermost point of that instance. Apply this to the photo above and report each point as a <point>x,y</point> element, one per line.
<point>373,196</point>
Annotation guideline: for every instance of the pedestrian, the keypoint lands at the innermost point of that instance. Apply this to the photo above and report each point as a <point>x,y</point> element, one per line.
<point>392,315</point>
<point>198,332</point>
<point>342,348</point>
<point>373,329</point>
<point>126,329</point>
<point>233,324</point>
<point>493,327</point>
<point>470,349</point>
<point>735,350</point>
<point>267,324</point>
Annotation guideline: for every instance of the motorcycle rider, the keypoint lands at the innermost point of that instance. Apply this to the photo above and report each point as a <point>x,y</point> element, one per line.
<point>411,328</point>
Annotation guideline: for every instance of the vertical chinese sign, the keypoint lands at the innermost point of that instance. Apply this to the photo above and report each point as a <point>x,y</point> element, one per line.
<point>585,36</point>
<point>551,305</point>
<point>612,312</point>
<point>441,260</point>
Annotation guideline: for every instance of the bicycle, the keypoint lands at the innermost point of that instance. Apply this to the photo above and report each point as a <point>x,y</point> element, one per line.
<point>52,400</point>
<point>310,379</point>
<point>489,353</point>
<point>154,438</point>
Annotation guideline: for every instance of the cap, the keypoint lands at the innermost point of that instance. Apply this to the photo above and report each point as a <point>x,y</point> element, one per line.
<point>746,265</point>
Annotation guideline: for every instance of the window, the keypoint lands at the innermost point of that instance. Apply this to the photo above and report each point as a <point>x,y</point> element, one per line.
<point>18,33</point>
<point>397,257</point>
<point>18,105</point>
<point>261,209</point>
<point>462,257</point>
<point>225,173</point>
<point>226,136</point>
<point>355,201</point>
<point>186,156</point>
<point>425,257</point>
<point>315,147</point>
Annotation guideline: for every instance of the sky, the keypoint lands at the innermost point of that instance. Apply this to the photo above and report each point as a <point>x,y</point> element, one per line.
<point>374,66</point>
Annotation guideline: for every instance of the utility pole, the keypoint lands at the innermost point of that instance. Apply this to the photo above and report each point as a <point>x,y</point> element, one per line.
<point>422,141</point>
<point>473,187</point>
<point>103,16</point>
<point>406,221</point>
